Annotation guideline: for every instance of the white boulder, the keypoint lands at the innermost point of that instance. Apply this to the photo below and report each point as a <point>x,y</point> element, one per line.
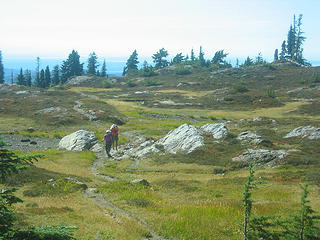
<point>78,141</point>
<point>305,131</point>
<point>218,130</point>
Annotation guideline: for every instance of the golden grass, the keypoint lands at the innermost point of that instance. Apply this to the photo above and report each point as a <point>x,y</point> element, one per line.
<point>88,89</point>
<point>185,93</point>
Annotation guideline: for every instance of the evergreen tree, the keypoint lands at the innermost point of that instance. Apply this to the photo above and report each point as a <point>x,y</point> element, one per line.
<point>37,78</point>
<point>219,57</point>
<point>103,72</point>
<point>259,59</point>
<point>248,62</point>
<point>291,42</point>
<point>178,59</point>
<point>186,59</point>
<point>283,50</point>
<point>47,77</point>
<point>276,57</point>
<point>192,57</point>
<point>42,83</point>
<point>1,69</point>
<point>159,58</point>
<point>71,67</point>
<point>20,78</point>
<point>299,41</point>
<point>92,63</point>
<point>28,78</point>
<point>55,75</point>
<point>201,58</point>
<point>132,64</point>
<point>237,63</point>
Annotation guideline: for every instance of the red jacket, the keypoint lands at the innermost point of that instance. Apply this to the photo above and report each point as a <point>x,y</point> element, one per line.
<point>115,131</point>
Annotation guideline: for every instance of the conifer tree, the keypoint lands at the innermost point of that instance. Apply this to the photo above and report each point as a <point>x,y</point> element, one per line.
<point>201,57</point>
<point>1,69</point>
<point>37,78</point>
<point>299,41</point>
<point>28,78</point>
<point>55,75</point>
<point>41,79</point>
<point>71,67</point>
<point>132,64</point>
<point>291,42</point>
<point>248,62</point>
<point>92,63</point>
<point>283,50</point>
<point>159,58</point>
<point>219,57</point>
<point>103,72</point>
<point>47,77</point>
<point>20,78</point>
<point>275,57</point>
<point>192,57</point>
<point>178,59</point>
<point>259,59</point>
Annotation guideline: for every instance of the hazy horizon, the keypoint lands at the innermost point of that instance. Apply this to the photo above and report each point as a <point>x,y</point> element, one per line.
<point>51,29</point>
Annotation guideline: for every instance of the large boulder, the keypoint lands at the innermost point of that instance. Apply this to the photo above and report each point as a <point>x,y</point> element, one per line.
<point>78,141</point>
<point>185,138</point>
<point>310,132</point>
<point>262,156</point>
<point>218,130</point>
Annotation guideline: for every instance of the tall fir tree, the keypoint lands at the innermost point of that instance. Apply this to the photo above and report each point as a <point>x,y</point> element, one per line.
<point>47,77</point>
<point>1,69</point>
<point>71,67</point>
<point>299,42</point>
<point>37,77</point>
<point>55,75</point>
<point>219,57</point>
<point>28,78</point>
<point>41,79</point>
<point>103,72</point>
<point>159,58</point>
<point>192,57</point>
<point>201,57</point>
<point>92,63</point>
<point>275,56</point>
<point>283,52</point>
<point>291,42</point>
<point>132,64</point>
<point>20,78</point>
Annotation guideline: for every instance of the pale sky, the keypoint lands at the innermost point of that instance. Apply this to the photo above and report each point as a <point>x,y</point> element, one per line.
<point>114,28</point>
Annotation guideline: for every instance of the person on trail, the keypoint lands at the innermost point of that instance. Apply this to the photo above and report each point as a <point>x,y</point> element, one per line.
<point>108,140</point>
<point>115,132</point>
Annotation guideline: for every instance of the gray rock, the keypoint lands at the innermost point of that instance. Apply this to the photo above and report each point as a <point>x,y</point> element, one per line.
<point>185,138</point>
<point>262,156</point>
<point>143,152</point>
<point>140,181</point>
<point>75,181</point>
<point>51,110</point>
<point>305,131</point>
<point>22,92</point>
<point>78,141</point>
<point>218,130</point>
<point>249,137</point>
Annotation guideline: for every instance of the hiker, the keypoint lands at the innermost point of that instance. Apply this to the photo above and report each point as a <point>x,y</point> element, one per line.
<point>115,132</point>
<point>108,140</point>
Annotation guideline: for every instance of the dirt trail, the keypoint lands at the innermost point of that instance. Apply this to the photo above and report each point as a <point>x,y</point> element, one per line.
<point>101,201</point>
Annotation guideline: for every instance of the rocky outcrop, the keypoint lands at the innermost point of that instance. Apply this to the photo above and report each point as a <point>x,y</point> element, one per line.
<point>309,132</point>
<point>249,137</point>
<point>218,130</point>
<point>185,138</point>
<point>78,141</point>
<point>262,157</point>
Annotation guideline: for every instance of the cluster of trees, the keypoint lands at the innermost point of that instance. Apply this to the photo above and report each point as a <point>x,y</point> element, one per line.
<point>60,74</point>
<point>302,225</point>
<point>292,48</point>
<point>1,69</point>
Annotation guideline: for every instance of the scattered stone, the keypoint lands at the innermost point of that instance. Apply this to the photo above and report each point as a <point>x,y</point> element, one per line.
<point>310,132</point>
<point>25,140</point>
<point>140,181</point>
<point>250,137</point>
<point>262,156</point>
<point>75,181</point>
<point>22,92</point>
<point>51,110</point>
<point>30,130</point>
<point>78,141</point>
<point>218,130</point>
<point>257,119</point>
<point>142,92</point>
<point>52,180</point>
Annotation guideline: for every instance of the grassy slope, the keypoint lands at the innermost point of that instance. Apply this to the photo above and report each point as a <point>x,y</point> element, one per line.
<point>188,197</point>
